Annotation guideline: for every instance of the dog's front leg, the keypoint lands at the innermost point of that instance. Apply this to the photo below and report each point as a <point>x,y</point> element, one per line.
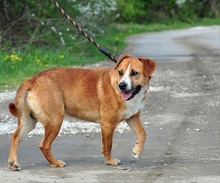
<point>135,123</point>
<point>107,136</point>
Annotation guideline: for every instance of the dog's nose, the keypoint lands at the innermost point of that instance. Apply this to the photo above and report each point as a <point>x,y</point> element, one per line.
<point>122,85</point>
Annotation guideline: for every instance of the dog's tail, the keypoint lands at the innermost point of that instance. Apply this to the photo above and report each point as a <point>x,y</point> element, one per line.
<point>13,109</point>
<point>20,104</point>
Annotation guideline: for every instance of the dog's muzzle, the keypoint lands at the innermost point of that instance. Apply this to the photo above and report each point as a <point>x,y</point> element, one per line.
<point>128,94</point>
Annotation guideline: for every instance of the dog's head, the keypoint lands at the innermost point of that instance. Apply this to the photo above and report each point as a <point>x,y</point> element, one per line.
<point>133,74</point>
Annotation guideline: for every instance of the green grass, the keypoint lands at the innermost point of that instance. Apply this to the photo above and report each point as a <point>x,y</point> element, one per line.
<point>18,65</point>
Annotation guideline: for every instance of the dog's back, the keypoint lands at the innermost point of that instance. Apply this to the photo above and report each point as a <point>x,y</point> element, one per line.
<point>75,91</point>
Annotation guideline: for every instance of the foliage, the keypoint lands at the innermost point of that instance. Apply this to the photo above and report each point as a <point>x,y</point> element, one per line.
<point>143,11</point>
<point>40,23</point>
<point>130,10</point>
<point>35,36</point>
<point>15,66</point>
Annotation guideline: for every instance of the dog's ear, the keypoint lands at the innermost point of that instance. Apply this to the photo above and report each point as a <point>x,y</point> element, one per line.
<point>121,58</point>
<point>149,66</point>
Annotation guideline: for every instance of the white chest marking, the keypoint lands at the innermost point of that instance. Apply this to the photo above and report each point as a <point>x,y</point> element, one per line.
<point>135,104</point>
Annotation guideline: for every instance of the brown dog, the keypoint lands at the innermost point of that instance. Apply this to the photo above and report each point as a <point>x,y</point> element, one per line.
<point>107,96</point>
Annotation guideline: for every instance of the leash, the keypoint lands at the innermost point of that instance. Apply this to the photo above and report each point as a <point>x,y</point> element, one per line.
<point>101,49</point>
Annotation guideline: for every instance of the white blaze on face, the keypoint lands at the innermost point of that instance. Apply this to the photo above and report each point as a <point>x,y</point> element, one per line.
<point>126,79</point>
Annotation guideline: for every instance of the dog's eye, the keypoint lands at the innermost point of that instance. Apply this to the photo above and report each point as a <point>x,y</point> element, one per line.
<point>134,73</point>
<point>120,73</point>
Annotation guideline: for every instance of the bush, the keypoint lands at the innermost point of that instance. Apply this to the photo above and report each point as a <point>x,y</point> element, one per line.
<point>143,11</point>
<point>40,23</point>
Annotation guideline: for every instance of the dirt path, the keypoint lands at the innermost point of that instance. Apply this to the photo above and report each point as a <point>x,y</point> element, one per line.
<point>181,118</point>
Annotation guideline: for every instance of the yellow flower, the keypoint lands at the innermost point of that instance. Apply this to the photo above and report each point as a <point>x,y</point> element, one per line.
<point>18,59</point>
<point>7,57</point>
<point>37,61</point>
<point>13,57</point>
<point>61,56</point>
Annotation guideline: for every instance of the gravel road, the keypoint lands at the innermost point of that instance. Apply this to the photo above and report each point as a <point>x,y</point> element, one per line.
<point>181,117</point>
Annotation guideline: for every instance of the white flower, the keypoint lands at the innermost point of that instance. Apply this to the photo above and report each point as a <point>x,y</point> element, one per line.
<point>54,29</point>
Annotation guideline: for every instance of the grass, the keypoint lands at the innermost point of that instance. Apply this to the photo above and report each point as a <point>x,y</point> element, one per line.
<point>18,65</point>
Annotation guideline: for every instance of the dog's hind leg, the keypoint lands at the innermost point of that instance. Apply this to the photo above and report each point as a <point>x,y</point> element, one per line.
<point>135,123</point>
<point>52,129</point>
<point>25,125</point>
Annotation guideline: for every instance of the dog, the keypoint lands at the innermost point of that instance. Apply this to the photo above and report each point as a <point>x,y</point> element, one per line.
<point>104,95</point>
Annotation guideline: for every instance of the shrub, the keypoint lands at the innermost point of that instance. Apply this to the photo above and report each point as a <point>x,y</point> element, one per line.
<point>143,11</point>
<point>40,23</point>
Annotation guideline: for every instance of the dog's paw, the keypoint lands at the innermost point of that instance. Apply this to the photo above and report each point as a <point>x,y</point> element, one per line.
<point>58,163</point>
<point>137,151</point>
<point>135,155</point>
<point>113,162</point>
<point>13,165</point>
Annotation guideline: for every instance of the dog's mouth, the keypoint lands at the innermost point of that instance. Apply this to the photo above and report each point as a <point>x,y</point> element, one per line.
<point>127,95</point>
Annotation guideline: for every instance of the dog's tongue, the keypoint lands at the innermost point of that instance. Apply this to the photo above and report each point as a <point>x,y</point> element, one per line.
<point>126,95</point>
